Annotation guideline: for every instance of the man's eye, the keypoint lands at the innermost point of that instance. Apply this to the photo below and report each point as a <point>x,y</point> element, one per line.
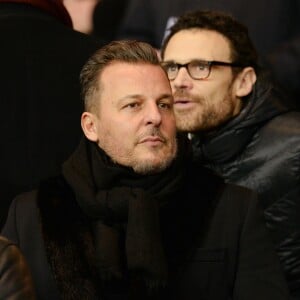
<point>200,66</point>
<point>171,67</point>
<point>131,105</point>
<point>165,105</point>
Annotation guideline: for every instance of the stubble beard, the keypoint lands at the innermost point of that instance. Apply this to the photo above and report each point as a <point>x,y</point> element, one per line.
<point>153,160</point>
<point>160,158</point>
<point>164,159</point>
<point>205,116</point>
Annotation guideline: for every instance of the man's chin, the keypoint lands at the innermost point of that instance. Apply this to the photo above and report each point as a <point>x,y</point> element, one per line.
<point>186,127</point>
<point>153,163</point>
<point>148,168</point>
<point>187,122</point>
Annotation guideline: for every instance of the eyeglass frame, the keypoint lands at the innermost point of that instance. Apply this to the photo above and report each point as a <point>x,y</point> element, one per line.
<point>208,63</point>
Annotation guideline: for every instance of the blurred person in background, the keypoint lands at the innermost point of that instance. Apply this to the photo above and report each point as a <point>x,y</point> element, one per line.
<point>41,56</point>
<point>108,16</point>
<point>82,12</point>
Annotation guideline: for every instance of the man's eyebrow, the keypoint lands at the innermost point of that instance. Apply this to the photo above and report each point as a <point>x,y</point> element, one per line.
<point>131,96</point>
<point>164,96</point>
<point>140,96</point>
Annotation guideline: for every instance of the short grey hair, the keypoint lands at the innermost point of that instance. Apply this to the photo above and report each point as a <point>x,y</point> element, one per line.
<point>123,51</point>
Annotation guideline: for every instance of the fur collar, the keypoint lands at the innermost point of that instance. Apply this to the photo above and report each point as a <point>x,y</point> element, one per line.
<point>68,241</point>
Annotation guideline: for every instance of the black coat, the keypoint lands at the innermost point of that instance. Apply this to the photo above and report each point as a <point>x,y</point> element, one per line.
<point>213,234</point>
<point>260,149</point>
<point>40,60</point>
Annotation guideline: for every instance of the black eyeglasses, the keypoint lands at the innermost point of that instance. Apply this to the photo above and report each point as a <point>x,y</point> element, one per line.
<point>197,69</point>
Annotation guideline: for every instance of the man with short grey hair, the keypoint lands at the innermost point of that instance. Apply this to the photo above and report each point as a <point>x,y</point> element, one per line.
<point>131,217</point>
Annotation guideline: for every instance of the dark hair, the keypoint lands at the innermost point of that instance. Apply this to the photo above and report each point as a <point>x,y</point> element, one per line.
<point>242,49</point>
<point>122,51</point>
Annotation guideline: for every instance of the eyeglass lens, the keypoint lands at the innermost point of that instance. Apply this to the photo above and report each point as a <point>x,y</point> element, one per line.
<point>196,69</point>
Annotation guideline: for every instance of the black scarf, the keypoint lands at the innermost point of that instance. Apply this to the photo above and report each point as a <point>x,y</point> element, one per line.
<point>117,201</point>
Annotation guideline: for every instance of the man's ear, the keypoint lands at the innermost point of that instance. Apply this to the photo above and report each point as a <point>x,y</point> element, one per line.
<point>244,82</point>
<point>88,125</point>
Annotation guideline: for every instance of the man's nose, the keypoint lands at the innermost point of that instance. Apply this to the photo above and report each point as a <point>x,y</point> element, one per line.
<point>153,114</point>
<point>182,80</point>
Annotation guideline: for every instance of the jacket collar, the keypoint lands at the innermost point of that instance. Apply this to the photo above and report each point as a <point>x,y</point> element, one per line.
<point>264,103</point>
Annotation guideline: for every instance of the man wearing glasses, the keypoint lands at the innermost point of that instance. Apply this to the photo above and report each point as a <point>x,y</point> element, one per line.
<point>240,125</point>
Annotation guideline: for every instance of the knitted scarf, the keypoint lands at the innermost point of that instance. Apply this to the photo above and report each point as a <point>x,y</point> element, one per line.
<point>52,7</point>
<point>124,210</point>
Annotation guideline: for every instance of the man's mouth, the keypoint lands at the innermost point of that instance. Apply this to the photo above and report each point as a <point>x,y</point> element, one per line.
<point>152,140</point>
<point>183,103</point>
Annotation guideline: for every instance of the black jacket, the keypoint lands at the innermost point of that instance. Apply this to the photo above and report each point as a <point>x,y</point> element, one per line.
<point>40,60</point>
<point>214,238</point>
<point>260,149</point>
<point>15,277</point>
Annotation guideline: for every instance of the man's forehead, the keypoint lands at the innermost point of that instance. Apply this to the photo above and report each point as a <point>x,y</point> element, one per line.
<point>197,44</point>
<point>121,80</point>
<point>122,67</point>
